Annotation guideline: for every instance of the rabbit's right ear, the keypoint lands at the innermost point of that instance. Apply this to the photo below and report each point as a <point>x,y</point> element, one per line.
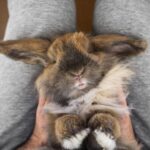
<point>31,51</point>
<point>118,45</point>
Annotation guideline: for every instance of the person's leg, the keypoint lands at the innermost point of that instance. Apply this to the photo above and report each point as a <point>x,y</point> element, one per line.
<point>131,17</point>
<point>38,18</point>
<point>18,100</point>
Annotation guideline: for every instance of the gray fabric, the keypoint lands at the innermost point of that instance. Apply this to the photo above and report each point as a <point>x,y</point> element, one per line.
<point>38,18</point>
<point>28,18</point>
<point>131,17</point>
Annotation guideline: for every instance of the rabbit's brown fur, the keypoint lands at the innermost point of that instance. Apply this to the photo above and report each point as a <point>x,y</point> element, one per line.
<point>80,79</point>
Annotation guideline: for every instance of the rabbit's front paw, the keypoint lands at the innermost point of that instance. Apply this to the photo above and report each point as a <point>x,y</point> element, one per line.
<point>105,131</point>
<point>70,131</point>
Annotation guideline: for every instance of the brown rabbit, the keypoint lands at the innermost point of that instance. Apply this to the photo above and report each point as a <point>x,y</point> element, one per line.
<point>80,79</point>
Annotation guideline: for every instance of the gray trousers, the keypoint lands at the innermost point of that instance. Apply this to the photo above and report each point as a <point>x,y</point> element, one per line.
<point>38,18</point>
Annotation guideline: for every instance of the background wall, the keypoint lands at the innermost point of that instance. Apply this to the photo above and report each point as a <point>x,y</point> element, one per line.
<point>3,17</point>
<point>84,15</point>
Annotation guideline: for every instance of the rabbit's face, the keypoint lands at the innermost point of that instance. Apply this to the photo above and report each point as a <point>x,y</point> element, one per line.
<point>73,63</point>
<point>76,71</point>
<point>73,70</point>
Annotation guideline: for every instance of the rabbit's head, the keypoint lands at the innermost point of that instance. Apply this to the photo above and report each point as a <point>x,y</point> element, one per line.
<point>73,63</point>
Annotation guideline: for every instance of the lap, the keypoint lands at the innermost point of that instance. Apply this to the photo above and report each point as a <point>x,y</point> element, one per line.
<point>18,97</point>
<point>38,18</point>
<point>131,17</point>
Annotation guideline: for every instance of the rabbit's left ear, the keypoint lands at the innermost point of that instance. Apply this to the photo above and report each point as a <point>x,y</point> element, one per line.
<point>31,51</point>
<point>119,45</point>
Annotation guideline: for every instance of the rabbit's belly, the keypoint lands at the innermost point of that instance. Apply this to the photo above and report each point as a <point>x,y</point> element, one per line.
<point>58,109</point>
<point>75,106</point>
<point>86,103</point>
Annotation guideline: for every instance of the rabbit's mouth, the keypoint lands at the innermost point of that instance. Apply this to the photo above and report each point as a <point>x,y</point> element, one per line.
<point>81,84</point>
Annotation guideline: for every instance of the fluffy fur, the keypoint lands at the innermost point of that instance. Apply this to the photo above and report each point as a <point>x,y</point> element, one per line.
<point>80,80</point>
<point>75,141</point>
<point>105,140</point>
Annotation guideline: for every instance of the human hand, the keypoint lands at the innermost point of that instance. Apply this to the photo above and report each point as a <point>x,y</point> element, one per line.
<point>40,134</point>
<point>127,133</point>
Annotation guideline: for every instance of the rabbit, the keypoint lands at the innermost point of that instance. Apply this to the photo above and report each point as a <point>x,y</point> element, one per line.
<point>80,80</point>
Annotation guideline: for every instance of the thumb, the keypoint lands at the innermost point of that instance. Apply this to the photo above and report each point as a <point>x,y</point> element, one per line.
<point>125,120</point>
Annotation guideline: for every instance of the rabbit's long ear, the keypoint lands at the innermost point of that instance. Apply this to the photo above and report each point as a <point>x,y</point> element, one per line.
<point>119,45</point>
<point>32,51</point>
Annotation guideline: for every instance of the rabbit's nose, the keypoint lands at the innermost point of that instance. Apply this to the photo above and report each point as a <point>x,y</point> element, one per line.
<point>78,77</point>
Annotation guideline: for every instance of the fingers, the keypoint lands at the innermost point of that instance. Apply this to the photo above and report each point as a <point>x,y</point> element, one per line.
<point>41,102</point>
<point>125,121</point>
<point>122,97</point>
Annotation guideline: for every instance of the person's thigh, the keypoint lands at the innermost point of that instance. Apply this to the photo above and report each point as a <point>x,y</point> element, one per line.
<point>27,18</point>
<point>40,18</point>
<point>131,17</point>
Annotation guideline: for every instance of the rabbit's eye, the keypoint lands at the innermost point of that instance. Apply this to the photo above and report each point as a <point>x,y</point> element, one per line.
<point>77,73</point>
<point>71,74</point>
